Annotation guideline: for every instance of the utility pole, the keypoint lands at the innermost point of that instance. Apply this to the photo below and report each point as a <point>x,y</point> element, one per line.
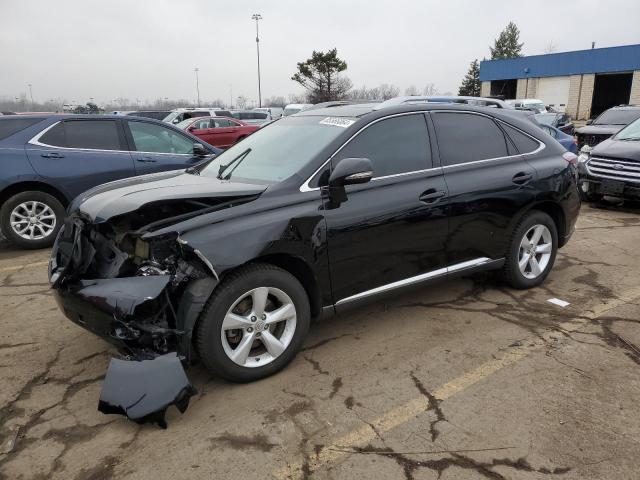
<point>257,17</point>
<point>197,84</point>
<point>231,95</point>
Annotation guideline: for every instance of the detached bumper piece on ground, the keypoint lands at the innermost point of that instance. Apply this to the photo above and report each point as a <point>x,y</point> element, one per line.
<point>143,390</point>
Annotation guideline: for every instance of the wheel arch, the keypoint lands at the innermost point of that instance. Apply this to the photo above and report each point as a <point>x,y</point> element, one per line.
<point>31,185</point>
<point>555,211</point>
<point>301,271</point>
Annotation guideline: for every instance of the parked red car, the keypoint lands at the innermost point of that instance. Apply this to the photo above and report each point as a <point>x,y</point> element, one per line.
<point>220,132</point>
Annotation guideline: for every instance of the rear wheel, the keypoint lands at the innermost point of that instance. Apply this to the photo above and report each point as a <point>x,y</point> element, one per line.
<point>532,251</point>
<point>31,219</point>
<point>253,324</point>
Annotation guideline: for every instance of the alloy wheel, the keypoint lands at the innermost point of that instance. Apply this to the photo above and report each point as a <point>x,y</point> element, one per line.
<point>535,251</point>
<point>258,327</point>
<point>33,220</point>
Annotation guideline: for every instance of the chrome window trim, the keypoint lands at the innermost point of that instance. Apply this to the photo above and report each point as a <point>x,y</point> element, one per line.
<point>416,279</point>
<point>541,146</point>
<point>35,140</point>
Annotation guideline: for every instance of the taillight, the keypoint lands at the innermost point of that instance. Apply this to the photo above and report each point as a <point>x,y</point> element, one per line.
<point>572,158</point>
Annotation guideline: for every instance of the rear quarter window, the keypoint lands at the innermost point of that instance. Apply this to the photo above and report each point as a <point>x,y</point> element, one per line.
<point>10,126</point>
<point>523,143</point>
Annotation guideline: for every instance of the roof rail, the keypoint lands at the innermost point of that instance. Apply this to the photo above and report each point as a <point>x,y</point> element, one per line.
<point>404,100</point>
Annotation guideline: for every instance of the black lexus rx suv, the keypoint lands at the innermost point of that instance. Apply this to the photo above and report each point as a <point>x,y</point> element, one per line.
<point>313,214</point>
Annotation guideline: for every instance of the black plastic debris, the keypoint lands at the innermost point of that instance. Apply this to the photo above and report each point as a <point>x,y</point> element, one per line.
<point>143,390</point>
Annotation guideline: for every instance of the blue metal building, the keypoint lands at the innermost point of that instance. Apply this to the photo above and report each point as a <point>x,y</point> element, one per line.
<point>583,82</point>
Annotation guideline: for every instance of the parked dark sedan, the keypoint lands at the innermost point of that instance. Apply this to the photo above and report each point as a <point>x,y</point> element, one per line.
<point>46,161</point>
<point>311,215</point>
<point>612,168</point>
<point>606,124</point>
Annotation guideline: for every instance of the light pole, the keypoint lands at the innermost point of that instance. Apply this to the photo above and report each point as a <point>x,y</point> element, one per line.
<point>230,95</point>
<point>197,84</point>
<point>31,95</point>
<point>257,17</point>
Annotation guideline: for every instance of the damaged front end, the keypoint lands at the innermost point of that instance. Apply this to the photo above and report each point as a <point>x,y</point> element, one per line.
<point>142,296</point>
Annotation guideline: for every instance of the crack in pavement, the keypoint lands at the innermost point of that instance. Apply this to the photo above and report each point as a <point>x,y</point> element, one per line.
<point>433,404</point>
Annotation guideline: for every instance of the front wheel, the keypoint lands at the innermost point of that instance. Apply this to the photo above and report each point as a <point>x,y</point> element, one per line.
<point>31,219</point>
<point>532,251</point>
<point>253,324</point>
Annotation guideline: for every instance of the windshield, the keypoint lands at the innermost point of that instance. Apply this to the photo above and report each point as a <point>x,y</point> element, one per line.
<point>276,152</point>
<point>546,118</point>
<point>630,132</point>
<point>169,118</point>
<point>184,123</point>
<point>617,117</point>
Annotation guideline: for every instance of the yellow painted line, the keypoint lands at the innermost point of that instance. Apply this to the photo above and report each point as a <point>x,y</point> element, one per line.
<point>26,265</point>
<point>414,407</point>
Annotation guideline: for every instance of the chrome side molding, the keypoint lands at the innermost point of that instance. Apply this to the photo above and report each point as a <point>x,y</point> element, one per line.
<point>476,262</point>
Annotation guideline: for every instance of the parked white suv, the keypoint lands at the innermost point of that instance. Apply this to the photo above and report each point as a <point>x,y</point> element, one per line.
<point>179,114</point>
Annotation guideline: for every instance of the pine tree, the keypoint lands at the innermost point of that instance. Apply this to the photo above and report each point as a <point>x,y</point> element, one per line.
<point>506,45</point>
<point>471,83</point>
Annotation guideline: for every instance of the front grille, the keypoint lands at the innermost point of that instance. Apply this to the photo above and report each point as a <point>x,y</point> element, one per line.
<point>625,170</point>
<point>591,140</point>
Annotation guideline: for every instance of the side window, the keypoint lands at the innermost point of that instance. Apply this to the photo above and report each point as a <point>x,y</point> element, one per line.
<point>395,145</point>
<point>524,143</point>
<point>149,137</point>
<point>222,123</point>
<point>202,124</point>
<point>466,137</point>
<point>89,134</point>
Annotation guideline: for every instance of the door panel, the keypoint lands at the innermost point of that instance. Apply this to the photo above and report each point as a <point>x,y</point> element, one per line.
<point>384,232</point>
<point>395,226</point>
<point>488,183</point>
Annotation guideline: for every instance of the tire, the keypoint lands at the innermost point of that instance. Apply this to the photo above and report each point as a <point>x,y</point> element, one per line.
<point>216,346</point>
<point>532,224</point>
<point>44,229</point>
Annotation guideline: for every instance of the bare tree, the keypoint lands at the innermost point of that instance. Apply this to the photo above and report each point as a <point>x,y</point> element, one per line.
<point>551,47</point>
<point>275,102</point>
<point>430,89</point>
<point>241,102</point>
<point>411,90</point>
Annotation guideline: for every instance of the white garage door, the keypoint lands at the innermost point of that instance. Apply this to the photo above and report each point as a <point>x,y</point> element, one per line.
<point>554,91</point>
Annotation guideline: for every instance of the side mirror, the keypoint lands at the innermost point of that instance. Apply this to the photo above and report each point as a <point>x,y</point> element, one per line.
<point>351,171</point>
<point>589,122</point>
<point>199,150</point>
<point>191,129</point>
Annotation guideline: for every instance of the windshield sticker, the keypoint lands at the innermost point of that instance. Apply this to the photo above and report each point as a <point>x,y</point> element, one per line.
<point>337,122</point>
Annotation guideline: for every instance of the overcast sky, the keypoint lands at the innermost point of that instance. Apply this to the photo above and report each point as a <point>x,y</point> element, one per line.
<point>147,49</point>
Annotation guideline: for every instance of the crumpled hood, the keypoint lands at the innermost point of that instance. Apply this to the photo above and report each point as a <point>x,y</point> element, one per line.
<point>599,129</point>
<point>622,149</point>
<point>124,196</point>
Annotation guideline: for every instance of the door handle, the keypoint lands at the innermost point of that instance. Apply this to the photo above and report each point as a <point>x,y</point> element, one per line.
<point>432,195</point>
<point>146,160</point>
<point>522,178</point>
<point>52,155</point>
